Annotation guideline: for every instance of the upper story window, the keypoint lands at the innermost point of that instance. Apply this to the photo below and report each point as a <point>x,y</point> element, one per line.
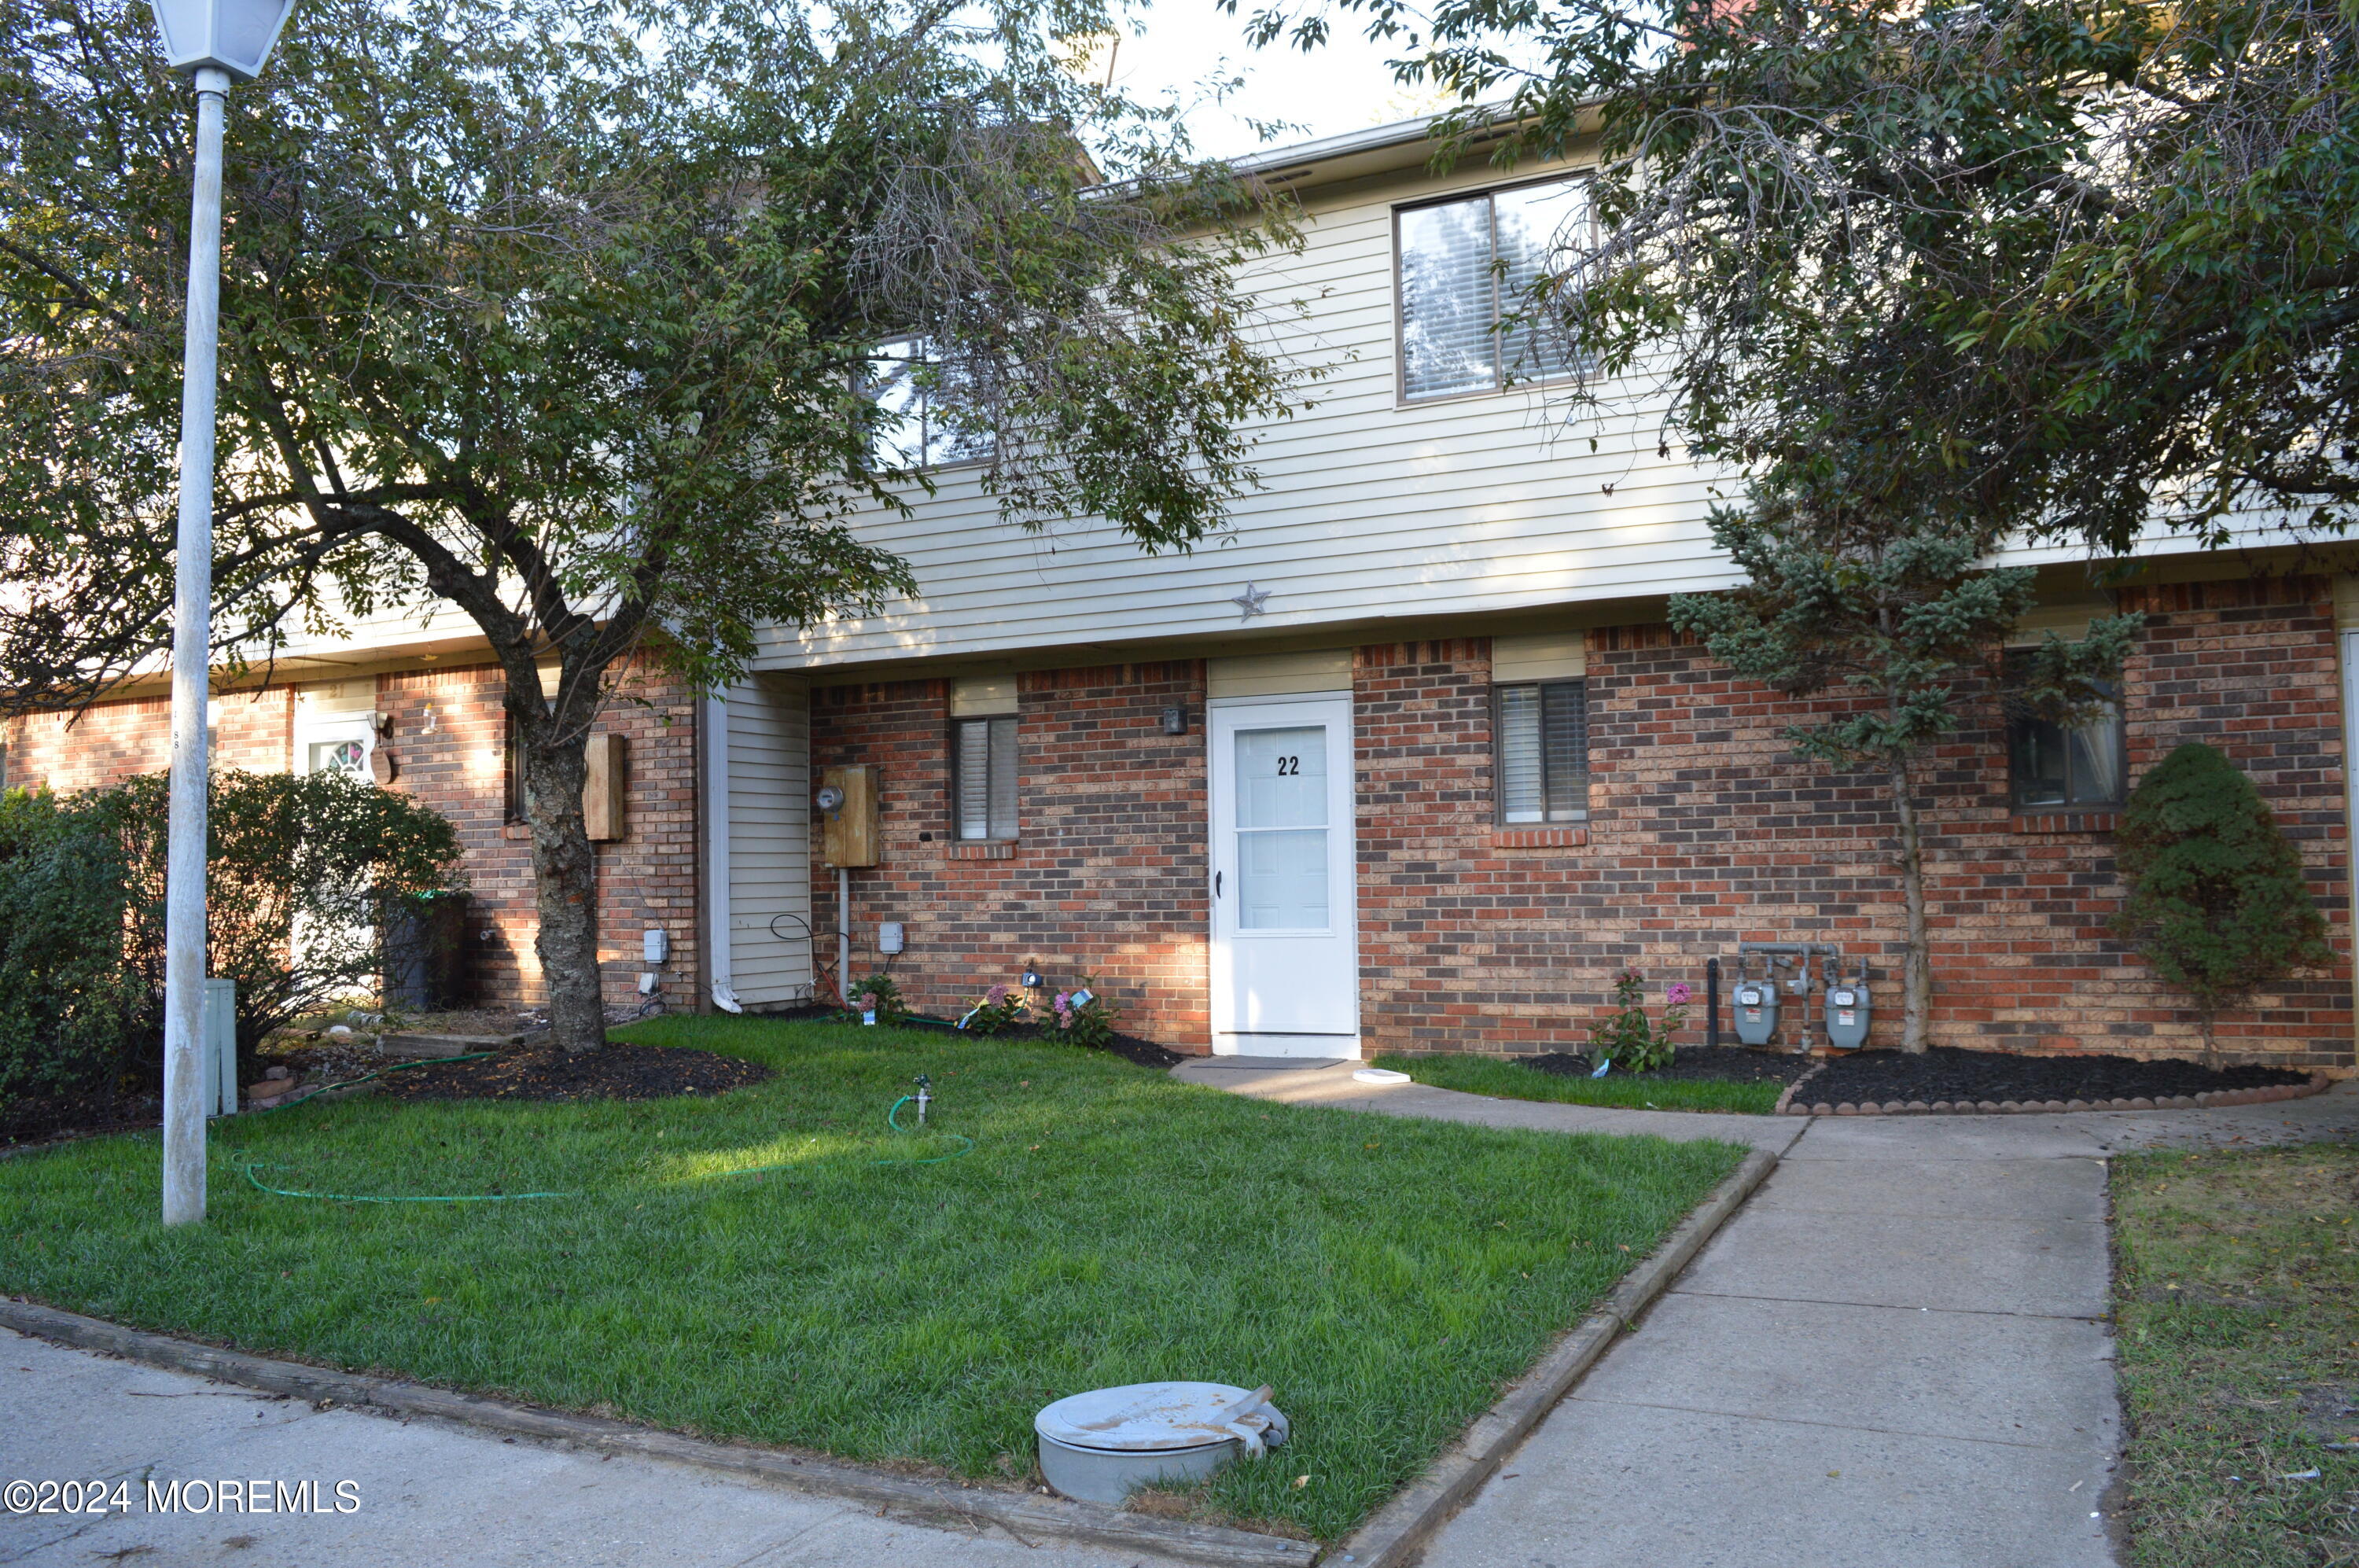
<point>1464,267</point>
<point>920,400</point>
<point>2053,765</point>
<point>1542,742</point>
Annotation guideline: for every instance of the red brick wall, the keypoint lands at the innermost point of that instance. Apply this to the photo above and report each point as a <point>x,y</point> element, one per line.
<point>1107,874</point>
<point>117,740</point>
<point>645,878</point>
<point>1705,830</point>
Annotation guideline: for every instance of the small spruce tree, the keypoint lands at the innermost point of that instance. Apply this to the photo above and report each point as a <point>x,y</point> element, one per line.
<point>2216,899</point>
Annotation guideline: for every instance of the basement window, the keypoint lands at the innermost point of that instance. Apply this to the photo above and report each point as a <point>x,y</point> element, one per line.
<point>1541,744</point>
<point>2051,765</point>
<point>983,789</point>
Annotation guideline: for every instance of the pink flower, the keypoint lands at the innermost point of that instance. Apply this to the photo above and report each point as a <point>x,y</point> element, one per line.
<point>1678,993</point>
<point>995,996</point>
<point>1064,998</point>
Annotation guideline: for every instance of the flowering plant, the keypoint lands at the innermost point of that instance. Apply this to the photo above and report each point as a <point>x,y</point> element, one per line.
<point>878,995</point>
<point>1626,1036</point>
<point>1084,1017</point>
<point>1002,1008</point>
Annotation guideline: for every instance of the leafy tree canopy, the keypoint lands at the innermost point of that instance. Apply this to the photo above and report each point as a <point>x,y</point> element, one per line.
<point>2074,265</point>
<point>570,318</point>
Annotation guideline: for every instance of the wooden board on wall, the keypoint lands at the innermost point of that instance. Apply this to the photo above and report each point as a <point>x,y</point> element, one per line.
<point>848,835</point>
<point>606,794</point>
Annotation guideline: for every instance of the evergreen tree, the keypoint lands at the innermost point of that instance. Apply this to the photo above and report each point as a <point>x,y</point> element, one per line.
<point>1889,601</point>
<point>2217,902</point>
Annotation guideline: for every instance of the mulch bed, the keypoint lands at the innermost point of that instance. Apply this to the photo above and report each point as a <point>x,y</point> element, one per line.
<point>1732,1064</point>
<point>619,1071</point>
<point>30,1119</point>
<point>1129,1047</point>
<point>1972,1077</point>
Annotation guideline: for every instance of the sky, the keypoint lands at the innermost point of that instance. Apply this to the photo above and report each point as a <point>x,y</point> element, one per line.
<point>1341,86</point>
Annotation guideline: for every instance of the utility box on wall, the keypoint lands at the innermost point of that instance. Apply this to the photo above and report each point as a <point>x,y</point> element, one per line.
<point>607,792</point>
<point>848,833</point>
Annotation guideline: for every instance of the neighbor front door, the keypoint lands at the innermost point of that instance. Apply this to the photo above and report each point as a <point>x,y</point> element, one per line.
<point>1286,969</point>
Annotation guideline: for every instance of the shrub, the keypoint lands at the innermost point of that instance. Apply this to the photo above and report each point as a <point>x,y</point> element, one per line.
<point>301,873</point>
<point>73,1015</point>
<point>1001,1009</point>
<point>1083,1015</point>
<point>2217,903</point>
<point>877,994</point>
<point>1626,1036</point>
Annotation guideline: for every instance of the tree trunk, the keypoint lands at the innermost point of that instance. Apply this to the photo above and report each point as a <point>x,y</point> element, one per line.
<point>554,756</point>
<point>1917,968</point>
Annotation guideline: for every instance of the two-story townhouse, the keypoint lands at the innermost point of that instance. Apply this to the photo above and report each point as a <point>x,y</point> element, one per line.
<point>1409,759</point>
<point>1406,760</point>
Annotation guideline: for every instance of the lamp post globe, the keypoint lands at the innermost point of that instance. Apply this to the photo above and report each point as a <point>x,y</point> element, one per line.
<point>232,36</point>
<point>217,42</point>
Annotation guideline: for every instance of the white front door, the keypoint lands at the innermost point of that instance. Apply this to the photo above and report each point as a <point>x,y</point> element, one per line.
<point>1286,964</point>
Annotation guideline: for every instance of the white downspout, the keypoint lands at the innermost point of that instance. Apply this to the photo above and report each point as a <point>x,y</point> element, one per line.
<point>715,719</point>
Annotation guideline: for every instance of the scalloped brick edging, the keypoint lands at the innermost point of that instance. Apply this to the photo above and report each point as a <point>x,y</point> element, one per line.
<point>2318,1085</point>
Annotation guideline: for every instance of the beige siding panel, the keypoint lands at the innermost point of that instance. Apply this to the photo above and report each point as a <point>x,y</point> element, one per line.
<point>983,694</point>
<point>1278,674</point>
<point>769,841</point>
<point>1555,655</point>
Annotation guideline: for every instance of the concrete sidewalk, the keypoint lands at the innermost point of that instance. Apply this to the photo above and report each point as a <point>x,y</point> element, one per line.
<point>1897,1353</point>
<point>429,1496</point>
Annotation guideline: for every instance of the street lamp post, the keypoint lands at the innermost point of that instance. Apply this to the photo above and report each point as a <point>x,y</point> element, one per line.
<point>219,42</point>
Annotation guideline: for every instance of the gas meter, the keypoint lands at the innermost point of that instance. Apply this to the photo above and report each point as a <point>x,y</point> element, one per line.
<point>1756,1005</point>
<point>1847,1008</point>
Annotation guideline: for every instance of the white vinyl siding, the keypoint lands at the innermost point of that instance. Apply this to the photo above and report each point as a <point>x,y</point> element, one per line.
<point>770,841</point>
<point>984,788</point>
<point>1542,746</point>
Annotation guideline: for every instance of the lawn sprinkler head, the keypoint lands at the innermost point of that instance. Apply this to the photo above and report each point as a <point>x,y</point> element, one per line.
<point>924,1096</point>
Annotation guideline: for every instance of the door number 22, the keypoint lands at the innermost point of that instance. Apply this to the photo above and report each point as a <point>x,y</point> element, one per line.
<point>1288,766</point>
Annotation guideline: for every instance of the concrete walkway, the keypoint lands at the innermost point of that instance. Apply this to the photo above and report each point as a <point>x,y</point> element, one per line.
<point>429,1496</point>
<point>1895,1354</point>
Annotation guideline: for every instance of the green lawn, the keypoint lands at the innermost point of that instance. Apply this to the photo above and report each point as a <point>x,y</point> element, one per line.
<point>1510,1080</point>
<point>2237,1304</point>
<point>1111,1226</point>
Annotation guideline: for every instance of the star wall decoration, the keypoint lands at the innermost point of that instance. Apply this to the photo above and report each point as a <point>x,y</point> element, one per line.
<point>1251,601</point>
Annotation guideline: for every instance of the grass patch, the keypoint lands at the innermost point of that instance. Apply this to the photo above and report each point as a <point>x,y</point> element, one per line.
<point>1510,1080</point>
<point>1112,1226</point>
<point>2237,1303</point>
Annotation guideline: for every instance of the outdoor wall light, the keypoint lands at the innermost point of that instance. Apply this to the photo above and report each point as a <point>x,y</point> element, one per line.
<point>1175,721</point>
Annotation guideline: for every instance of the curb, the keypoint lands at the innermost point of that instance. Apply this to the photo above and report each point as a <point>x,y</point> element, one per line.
<point>1020,1514</point>
<point>2272,1094</point>
<point>1393,1535</point>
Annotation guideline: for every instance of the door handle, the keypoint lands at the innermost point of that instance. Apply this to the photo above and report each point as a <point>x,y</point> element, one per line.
<point>1216,883</point>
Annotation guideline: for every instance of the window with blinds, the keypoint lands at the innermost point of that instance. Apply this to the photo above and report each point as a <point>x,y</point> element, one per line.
<point>1466,269</point>
<point>1541,737</point>
<point>2050,764</point>
<point>983,791</point>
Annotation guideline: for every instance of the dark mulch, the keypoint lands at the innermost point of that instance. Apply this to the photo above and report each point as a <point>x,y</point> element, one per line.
<point>619,1071</point>
<point>1950,1072</point>
<point>1727,1063</point>
<point>27,1119</point>
<point>1129,1047</point>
